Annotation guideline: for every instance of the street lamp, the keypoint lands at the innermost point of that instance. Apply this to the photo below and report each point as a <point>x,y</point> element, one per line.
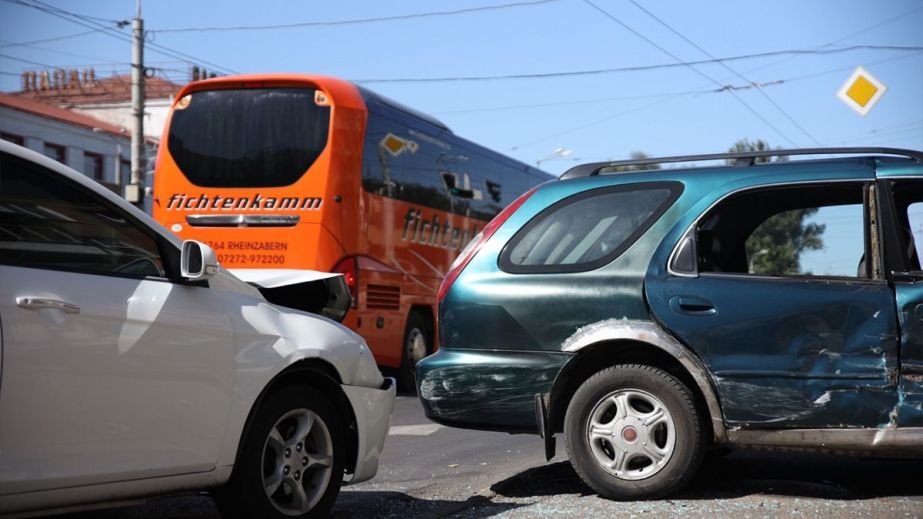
<point>118,152</point>
<point>558,152</point>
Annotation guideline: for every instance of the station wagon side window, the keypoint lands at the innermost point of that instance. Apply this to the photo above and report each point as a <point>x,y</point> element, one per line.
<point>49,223</point>
<point>908,201</point>
<point>587,230</point>
<point>802,231</point>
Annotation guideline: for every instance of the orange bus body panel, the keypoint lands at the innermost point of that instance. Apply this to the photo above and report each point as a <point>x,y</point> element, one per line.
<point>402,249</point>
<point>316,242</point>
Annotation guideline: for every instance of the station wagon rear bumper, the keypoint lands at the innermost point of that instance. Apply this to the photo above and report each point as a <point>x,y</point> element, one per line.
<point>486,389</point>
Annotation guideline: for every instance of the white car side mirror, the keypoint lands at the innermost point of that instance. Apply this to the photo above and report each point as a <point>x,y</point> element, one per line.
<point>197,261</point>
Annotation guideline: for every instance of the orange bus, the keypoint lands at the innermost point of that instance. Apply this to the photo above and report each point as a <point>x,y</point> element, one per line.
<point>291,173</point>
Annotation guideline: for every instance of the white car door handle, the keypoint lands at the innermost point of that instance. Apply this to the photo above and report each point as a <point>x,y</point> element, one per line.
<point>37,303</point>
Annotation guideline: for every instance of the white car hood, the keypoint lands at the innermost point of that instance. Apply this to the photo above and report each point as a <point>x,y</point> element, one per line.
<point>274,278</point>
<point>321,293</point>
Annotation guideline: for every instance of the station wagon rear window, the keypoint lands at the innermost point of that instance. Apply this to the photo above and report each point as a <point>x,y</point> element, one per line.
<point>588,230</point>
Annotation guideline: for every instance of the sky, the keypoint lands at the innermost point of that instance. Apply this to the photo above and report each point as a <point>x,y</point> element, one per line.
<point>603,78</point>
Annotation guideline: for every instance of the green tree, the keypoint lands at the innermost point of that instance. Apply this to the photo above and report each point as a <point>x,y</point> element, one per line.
<point>776,245</point>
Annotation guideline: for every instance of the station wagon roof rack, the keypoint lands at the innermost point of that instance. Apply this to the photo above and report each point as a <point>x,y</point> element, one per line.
<point>741,158</point>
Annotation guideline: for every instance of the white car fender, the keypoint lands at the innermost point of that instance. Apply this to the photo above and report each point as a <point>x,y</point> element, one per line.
<point>272,338</point>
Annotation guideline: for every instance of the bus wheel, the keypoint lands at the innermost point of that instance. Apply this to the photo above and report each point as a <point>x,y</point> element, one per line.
<point>418,343</point>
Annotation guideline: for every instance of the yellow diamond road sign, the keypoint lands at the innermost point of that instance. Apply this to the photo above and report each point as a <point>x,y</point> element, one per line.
<point>861,91</point>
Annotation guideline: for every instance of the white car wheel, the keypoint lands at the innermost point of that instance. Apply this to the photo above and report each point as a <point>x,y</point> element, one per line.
<point>291,461</point>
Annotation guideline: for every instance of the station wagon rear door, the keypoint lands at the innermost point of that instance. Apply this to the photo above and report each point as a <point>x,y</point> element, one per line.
<point>783,299</point>
<point>903,206</point>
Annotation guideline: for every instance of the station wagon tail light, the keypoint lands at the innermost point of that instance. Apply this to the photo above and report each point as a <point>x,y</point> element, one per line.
<point>470,250</point>
<point>349,267</point>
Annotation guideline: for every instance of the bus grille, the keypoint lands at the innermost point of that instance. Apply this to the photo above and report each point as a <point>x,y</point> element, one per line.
<point>383,297</point>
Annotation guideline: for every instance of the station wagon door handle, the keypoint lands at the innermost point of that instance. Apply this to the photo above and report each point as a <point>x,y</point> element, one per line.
<point>692,306</point>
<point>38,303</point>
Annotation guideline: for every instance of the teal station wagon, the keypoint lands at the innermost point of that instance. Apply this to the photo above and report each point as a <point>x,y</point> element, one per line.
<point>653,315</point>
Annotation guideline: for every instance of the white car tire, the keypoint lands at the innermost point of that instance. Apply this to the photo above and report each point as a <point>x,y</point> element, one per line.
<point>291,461</point>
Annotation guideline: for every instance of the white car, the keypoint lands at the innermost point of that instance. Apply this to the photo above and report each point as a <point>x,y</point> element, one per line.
<point>132,365</point>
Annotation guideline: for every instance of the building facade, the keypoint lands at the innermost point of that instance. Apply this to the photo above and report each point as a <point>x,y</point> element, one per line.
<point>85,123</point>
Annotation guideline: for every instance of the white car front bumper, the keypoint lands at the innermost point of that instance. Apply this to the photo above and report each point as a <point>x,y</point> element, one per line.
<point>372,407</point>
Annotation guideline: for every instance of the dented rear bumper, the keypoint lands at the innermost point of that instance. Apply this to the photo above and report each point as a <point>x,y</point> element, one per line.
<point>486,389</point>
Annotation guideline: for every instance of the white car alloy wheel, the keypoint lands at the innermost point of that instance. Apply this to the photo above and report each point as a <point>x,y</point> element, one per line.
<point>297,462</point>
<point>631,434</point>
<point>291,462</point>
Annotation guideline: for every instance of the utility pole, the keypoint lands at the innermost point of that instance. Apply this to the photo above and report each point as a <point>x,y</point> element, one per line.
<point>134,192</point>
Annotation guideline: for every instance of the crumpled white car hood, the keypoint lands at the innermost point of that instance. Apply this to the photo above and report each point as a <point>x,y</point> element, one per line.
<point>274,278</point>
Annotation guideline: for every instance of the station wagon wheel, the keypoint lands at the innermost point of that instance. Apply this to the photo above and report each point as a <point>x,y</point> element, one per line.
<point>418,343</point>
<point>291,461</point>
<point>632,432</point>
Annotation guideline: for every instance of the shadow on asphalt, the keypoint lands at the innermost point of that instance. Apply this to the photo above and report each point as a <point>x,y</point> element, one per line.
<point>175,507</point>
<point>744,473</point>
<point>362,504</point>
<point>349,504</point>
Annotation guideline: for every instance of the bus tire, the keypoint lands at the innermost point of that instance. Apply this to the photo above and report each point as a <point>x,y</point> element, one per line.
<point>418,343</point>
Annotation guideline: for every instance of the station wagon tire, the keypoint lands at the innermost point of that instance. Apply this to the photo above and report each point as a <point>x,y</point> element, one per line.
<point>291,461</point>
<point>632,432</point>
<point>418,343</point>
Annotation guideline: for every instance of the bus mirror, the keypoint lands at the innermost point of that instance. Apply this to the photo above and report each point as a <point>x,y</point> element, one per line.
<point>197,261</point>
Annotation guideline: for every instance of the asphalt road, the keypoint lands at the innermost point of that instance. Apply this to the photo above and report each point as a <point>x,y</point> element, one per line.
<point>430,471</point>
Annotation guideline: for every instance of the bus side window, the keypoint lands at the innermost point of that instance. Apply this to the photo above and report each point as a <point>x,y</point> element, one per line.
<point>425,170</point>
<point>383,161</point>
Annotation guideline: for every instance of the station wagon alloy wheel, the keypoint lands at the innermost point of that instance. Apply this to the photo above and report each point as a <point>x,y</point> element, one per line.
<point>297,461</point>
<point>631,434</point>
<point>632,431</point>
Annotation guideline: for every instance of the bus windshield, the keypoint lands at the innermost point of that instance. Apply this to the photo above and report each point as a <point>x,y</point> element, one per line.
<point>249,137</point>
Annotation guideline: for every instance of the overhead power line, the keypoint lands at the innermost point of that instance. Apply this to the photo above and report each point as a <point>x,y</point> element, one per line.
<point>78,19</point>
<point>681,94</point>
<point>877,25</point>
<point>111,31</point>
<point>636,68</point>
<point>14,58</point>
<point>915,51</point>
<point>569,103</point>
<point>700,91</point>
<point>56,38</point>
<point>694,69</point>
<point>729,69</point>
<point>359,20</point>
<point>76,55</point>
<point>84,16</point>
<point>887,131</point>
<point>848,36</point>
